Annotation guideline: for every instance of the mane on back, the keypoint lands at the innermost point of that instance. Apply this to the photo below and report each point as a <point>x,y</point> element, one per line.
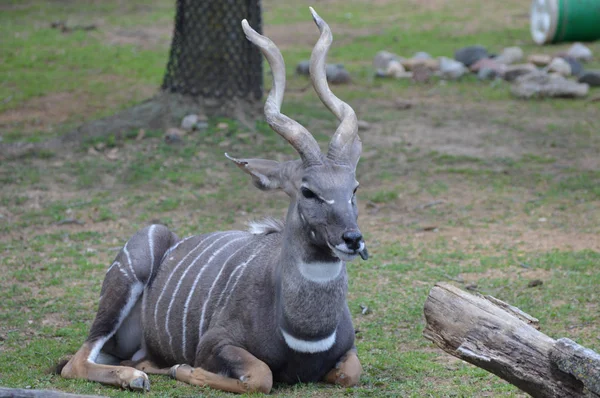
<point>265,226</point>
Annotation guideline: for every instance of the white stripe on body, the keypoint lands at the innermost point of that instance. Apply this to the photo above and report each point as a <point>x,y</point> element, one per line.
<point>191,294</point>
<point>241,268</point>
<point>118,264</point>
<point>129,261</point>
<point>134,294</point>
<point>170,249</point>
<point>308,346</point>
<point>162,292</point>
<point>201,328</point>
<point>167,316</point>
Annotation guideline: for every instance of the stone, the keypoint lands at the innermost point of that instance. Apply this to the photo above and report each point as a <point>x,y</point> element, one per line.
<point>469,55</point>
<point>363,125</point>
<point>580,52</point>
<point>337,74</point>
<point>590,77</point>
<point>383,60</point>
<point>451,69</point>
<point>514,71</point>
<point>560,66</point>
<point>541,85</point>
<point>539,59</point>
<point>487,74</point>
<point>576,66</point>
<point>488,63</point>
<point>422,74</point>
<point>303,68</point>
<point>422,55</point>
<point>510,55</point>
<point>412,63</point>
<point>189,122</point>
<point>174,136</point>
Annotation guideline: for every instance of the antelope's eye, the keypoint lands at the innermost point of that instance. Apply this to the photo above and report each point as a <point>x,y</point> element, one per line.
<point>307,193</point>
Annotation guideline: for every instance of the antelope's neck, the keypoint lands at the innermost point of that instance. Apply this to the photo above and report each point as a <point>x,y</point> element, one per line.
<point>311,301</point>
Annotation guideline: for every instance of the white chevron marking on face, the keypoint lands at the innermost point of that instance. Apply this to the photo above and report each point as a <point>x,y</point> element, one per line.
<point>308,346</point>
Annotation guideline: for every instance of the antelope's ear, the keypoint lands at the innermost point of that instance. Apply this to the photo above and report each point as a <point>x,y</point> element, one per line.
<point>269,174</point>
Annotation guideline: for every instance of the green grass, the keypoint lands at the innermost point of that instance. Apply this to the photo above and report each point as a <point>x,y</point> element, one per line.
<point>467,185</point>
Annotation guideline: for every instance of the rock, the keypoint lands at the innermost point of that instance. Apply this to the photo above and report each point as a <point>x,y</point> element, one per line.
<point>363,125</point>
<point>174,136</point>
<point>540,85</point>
<point>590,77</point>
<point>337,74</point>
<point>422,55</point>
<point>510,55</point>
<point>451,69</point>
<point>412,63</point>
<point>488,63</point>
<point>469,55</point>
<point>576,66</point>
<point>514,71</point>
<point>303,68</point>
<point>222,126</point>
<point>539,59</point>
<point>560,66</point>
<point>422,74</point>
<point>487,74</point>
<point>383,60</point>
<point>189,122</point>
<point>394,69</point>
<point>580,52</point>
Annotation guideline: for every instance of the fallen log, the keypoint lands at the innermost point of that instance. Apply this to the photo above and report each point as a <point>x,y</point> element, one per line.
<point>26,393</point>
<point>504,340</point>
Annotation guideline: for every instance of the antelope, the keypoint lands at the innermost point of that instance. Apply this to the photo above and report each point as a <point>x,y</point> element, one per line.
<point>237,310</point>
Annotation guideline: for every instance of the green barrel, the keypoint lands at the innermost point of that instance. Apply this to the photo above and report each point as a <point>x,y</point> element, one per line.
<point>554,21</point>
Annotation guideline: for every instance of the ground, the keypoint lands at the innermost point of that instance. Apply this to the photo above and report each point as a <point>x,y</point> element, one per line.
<point>459,182</point>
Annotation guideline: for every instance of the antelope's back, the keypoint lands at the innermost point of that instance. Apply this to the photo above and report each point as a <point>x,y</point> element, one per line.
<point>194,287</point>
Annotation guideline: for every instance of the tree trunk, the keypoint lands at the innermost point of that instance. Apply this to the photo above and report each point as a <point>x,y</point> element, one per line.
<point>504,340</point>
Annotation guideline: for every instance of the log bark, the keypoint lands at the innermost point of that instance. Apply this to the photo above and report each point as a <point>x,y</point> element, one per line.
<point>25,393</point>
<point>503,340</point>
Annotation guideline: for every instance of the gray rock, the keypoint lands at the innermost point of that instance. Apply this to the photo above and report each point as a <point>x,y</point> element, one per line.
<point>541,85</point>
<point>489,63</point>
<point>469,55</point>
<point>189,122</point>
<point>580,52</point>
<point>422,55</point>
<point>560,66</point>
<point>576,66</point>
<point>383,59</point>
<point>510,55</point>
<point>487,74</point>
<point>539,59</point>
<point>451,69</point>
<point>512,72</point>
<point>337,74</point>
<point>303,68</point>
<point>590,77</point>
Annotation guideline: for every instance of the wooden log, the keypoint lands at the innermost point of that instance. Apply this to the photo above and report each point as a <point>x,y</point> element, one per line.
<point>499,338</point>
<point>578,361</point>
<point>26,393</point>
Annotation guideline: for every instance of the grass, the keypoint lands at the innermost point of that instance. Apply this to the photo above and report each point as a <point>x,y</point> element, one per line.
<point>467,185</point>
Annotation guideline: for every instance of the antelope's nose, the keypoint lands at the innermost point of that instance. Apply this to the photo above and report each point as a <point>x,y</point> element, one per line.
<point>352,239</point>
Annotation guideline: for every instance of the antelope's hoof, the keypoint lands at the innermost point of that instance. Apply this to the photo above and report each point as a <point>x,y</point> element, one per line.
<point>140,384</point>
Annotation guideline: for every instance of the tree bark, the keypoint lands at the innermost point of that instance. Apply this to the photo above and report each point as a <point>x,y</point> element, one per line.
<point>503,340</point>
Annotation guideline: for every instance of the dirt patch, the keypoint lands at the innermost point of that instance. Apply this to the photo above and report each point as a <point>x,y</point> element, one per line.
<point>511,273</point>
<point>146,38</point>
<point>45,112</point>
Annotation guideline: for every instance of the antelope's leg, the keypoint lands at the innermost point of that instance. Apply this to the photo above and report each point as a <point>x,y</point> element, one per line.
<point>346,372</point>
<point>81,367</point>
<point>147,366</point>
<point>253,375</point>
<point>120,304</point>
